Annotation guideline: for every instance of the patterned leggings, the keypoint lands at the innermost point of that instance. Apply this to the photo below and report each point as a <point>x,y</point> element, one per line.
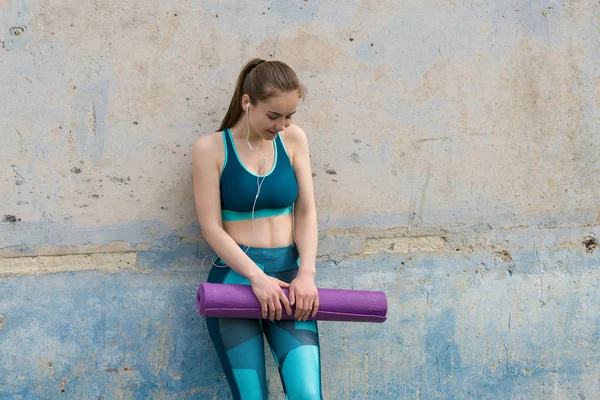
<point>294,344</point>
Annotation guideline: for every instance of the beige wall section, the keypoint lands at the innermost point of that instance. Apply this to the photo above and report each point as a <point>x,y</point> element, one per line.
<point>441,113</point>
<point>103,262</point>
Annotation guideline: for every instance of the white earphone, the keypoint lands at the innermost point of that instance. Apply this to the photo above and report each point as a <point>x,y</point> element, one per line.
<point>248,125</point>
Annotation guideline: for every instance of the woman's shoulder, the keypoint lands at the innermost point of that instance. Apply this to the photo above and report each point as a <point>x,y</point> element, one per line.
<point>294,135</point>
<point>209,147</point>
<point>208,143</point>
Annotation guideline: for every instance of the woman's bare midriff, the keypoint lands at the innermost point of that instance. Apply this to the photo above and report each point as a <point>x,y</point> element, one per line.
<point>269,232</point>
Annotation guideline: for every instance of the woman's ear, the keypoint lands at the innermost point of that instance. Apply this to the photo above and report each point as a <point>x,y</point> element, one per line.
<point>245,102</point>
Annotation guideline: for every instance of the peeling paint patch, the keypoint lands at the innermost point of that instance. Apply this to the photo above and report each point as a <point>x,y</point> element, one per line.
<point>62,385</point>
<point>10,218</point>
<point>53,250</point>
<point>590,243</point>
<point>405,244</point>
<point>16,30</point>
<point>504,256</point>
<point>110,263</point>
<point>92,120</point>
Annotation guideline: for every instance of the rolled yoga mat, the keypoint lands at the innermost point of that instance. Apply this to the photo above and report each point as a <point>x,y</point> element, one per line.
<point>239,301</point>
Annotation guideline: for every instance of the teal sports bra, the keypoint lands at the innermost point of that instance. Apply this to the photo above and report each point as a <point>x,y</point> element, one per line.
<point>278,192</point>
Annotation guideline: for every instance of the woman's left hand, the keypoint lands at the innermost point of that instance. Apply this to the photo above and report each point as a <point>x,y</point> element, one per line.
<point>304,295</point>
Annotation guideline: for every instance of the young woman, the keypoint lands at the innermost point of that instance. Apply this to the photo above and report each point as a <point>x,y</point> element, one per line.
<point>255,202</point>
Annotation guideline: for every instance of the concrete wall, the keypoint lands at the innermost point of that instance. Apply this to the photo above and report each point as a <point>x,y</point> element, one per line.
<point>456,155</point>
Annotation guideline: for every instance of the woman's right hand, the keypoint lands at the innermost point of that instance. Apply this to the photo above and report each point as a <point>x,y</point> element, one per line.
<point>270,296</point>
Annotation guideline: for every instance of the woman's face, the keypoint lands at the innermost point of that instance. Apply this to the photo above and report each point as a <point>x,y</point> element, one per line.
<point>273,115</point>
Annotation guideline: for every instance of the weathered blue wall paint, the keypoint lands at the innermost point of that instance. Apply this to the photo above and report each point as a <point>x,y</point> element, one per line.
<point>459,327</point>
<point>455,152</point>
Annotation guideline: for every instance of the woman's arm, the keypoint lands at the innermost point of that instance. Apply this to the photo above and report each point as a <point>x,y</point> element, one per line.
<point>303,290</point>
<point>208,207</point>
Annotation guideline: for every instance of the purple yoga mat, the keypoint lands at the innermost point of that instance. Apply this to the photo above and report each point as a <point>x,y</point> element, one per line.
<point>239,301</point>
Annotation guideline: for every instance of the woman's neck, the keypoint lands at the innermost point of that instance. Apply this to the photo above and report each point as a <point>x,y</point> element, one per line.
<point>240,131</point>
